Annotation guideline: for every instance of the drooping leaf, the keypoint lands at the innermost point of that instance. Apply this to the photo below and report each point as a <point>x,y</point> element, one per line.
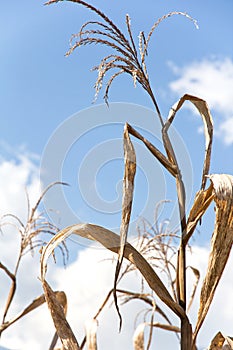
<point>111,241</point>
<point>205,114</point>
<point>61,297</point>
<point>128,188</point>
<point>203,109</point>
<point>221,242</point>
<point>63,328</point>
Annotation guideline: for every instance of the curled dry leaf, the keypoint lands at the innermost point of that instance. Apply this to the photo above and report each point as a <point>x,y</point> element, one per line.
<point>63,328</point>
<point>204,111</point>
<point>61,297</point>
<point>221,243</point>
<point>128,187</point>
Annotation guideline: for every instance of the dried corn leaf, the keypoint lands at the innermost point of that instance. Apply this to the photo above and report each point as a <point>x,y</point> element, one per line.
<point>167,327</point>
<point>128,187</point>
<point>217,342</point>
<point>32,306</point>
<point>91,329</point>
<point>36,303</point>
<point>138,338</point>
<point>156,153</point>
<point>61,297</point>
<point>63,329</point>
<point>201,203</point>
<point>111,241</point>
<point>204,111</point>
<point>221,242</point>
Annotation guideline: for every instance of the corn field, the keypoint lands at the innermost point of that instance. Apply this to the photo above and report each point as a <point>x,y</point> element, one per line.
<point>129,57</point>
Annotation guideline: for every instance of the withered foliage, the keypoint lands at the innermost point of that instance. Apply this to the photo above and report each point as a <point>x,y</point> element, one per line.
<point>33,236</point>
<point>155,249</point>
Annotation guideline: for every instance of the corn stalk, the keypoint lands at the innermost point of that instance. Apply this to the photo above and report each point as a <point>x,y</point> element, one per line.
<point>127,57</point>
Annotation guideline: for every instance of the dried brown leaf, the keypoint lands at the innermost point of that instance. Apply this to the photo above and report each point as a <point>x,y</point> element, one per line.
<point>204,111</point>
<point>167,327</point>
<point>63,329</point>
<point>221,242</point>
<point>128,187</point>
<point>217,342</point>
<point>111,241</point>
<point>33,305</point>
<point>61,297</point>
<point>156,153</point>
<point>201,203</point>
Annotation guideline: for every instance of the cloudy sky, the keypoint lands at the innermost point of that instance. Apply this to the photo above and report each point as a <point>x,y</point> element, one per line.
<point>51,131</point>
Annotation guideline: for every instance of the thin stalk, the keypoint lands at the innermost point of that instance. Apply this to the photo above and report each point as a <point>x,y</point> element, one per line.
<point>186,335</point>
<point>186,330</point>
<point>155,104</point>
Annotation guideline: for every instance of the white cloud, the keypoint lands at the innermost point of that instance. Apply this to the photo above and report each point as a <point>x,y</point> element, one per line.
<point>15,176</point>
<point>212,80</point>
<point>86,282</point>
<point>219,317</point>
<point>226,129</point>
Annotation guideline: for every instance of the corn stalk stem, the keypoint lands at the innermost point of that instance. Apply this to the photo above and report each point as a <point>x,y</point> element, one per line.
<point>186,335</point>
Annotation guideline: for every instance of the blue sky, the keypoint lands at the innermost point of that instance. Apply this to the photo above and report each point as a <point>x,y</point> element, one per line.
<point>41,91</point>
<point>41,87</point>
